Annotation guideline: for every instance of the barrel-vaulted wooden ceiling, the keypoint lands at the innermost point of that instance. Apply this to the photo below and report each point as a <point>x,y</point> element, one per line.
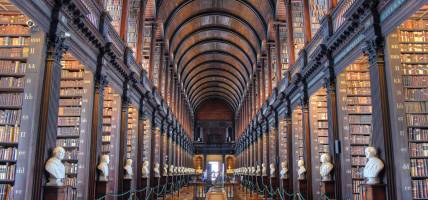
<point>215,45</point>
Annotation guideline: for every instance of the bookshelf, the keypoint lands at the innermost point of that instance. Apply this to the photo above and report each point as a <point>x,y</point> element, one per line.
<point>265,151</point>
<point>317,10</point>
<point>408,59</point>
<point>131,139</point>
<point>110,129</point>
<point>18,65</point>
<point>319,135</point>
<point>157,146</point>
<point>156,65</point>
<point>354,98</point>
<point>298,140</point>
<point>274,64</point>
<point>283,38</point>
<point>132,25</point>
<point>147,129</point>
<point>72,120</point>
<point>283,142</point>
<point>298,27</point>
<point>272,146</point>
<point>114,8</point>
<point>146,45</point>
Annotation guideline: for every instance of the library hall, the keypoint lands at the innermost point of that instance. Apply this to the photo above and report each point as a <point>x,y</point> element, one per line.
<point>213,99</point>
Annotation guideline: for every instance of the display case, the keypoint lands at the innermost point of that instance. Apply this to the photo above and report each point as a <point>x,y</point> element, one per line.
<point>319,136</point>
<point>355,108</point>
<point>407,63</point>
<point>110,130</point>
<point>298,140</point>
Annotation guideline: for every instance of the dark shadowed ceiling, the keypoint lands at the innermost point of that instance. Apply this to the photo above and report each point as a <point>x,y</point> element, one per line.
<point>214,45</point>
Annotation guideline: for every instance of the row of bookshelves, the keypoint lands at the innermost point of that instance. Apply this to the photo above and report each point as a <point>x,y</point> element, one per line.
<point>68,143</point>
<point>9,134</point>
<point>7,172</point>
<point>11,99</point>
<point>6,192</point>
<point>420,189</point>
<point>14,41</point>
<point>10,117</point>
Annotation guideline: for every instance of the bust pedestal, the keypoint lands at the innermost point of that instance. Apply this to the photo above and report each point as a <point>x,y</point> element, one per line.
<point>127,186</point>
<point>142,195</point>
<point>303,188</point>
<point>328,189</point>
<point>101,189</point>
<point>374,192</point>
<point>57,193</point>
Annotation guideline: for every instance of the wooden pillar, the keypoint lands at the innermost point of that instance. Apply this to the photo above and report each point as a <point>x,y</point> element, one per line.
<point>161,68</point>
<point>278,55</point>
<point>124,20</point>
<point>290,43</point>
<point>307,140</point>
<point>152,51</point>
<point>56,46</point>
<point>140,148</point>
<point>123,137</point>
<point>381,135</point>
<point>167,77</point>
<point>269,64</point>
<point>306,22</point>
<point>333,125</point>
<point>140,32</point>
<point>331,5</point>
<point>290,146</point>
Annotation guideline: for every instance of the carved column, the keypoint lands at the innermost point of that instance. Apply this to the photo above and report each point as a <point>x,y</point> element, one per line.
<point>290,181</point>
<point>330,85</point>
<point>123,137</point>
<point>381,135</point>
<point>48,119</point>
<point>290,43</point>
<point>306,21</point>
<point>307,139</point>
<point>141,182</point>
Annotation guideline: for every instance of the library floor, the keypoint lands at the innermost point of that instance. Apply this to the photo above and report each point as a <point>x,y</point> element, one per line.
<point>214,193</point>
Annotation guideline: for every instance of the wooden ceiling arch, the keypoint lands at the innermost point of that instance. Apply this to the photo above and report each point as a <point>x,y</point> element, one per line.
<point>215,44</point>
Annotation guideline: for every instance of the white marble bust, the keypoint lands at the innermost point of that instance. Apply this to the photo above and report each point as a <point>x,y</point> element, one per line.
<point>103,167</point>
<point>301,171</point>
<point>55,167</point>
<point>264,169</point>
<point>165,170</point>
<point>145,169</point>
<point>284,170</point>
<point>272,170</point>
<point>171,170</point>
<point>156,170</point>
<point>253,170</point>
<point>258,170</point>
<point>373,166</point>
<point>326,167</point>
<point>128,169</point>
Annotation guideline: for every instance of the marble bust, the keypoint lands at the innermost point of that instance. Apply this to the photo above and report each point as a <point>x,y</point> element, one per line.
<point>272,170</point>
<point>373,166</point>
<point>55,167</point>
<point>264,169</point>
<point>253,171</point>
<point>165,170</point>
<point>284,170</point>
<point>145,169</point>
<point>326,167</point>
<point>156,170</point>
<point>103,167</point>
<point>171,170</point>
<point>128,169</point>
<point>301,171</point>
<point>258,170</point>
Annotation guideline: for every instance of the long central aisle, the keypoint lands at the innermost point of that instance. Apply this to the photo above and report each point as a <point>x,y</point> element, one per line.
<point>216,193</point>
